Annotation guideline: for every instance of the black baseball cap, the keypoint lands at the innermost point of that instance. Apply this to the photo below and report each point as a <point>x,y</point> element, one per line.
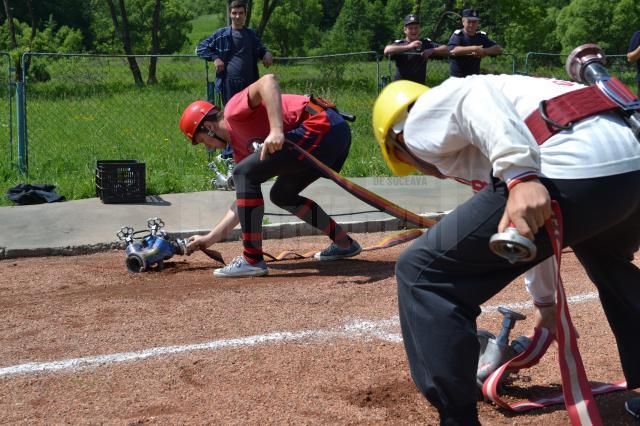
<point>471,14</point>
<point>412,18</point>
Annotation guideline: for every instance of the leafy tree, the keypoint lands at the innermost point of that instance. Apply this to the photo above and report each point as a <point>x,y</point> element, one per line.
<point>592,21</point>
<point>293,27</point>
<point>524,27</point>
<point>57,39</point>
<point>625,20</point>
<point>267,7</point>
<point>70,13</point>
<point>352,31</point>
<point>206,7</point>
<point>120,21</point>
<point>51,39</point>
<point>330,11</point>
<point>155,42</point>
<point>10,27</point>
<point>382,29</point>
<point>173,26</point>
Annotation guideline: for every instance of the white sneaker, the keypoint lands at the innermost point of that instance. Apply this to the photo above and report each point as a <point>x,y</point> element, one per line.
<point>239,267</point>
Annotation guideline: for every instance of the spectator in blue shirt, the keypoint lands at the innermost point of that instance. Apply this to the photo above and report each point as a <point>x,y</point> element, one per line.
<point>235,52</point>
<point>633,55</point>
<point>468,45</point>
<point>411,53</point>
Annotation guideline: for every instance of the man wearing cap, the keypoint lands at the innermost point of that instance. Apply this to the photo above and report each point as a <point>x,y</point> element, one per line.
<point>255,123</point>
<point>468,45</point>
<point>411,53</point>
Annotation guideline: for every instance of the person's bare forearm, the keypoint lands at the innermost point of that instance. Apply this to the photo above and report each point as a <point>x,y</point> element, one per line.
<point>463,50</point>
<point>494,50</point>
<point>476,51</point>
<point>634,55</point>
<point>229,221</point>
<point>441,50</point>
<point>393,49</point>
<point>219,232</point>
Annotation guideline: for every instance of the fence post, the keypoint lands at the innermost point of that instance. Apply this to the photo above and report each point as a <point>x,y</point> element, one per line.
<point>377,72</point>
<point>10,84</point>
<point>9,99</point>
<point>23,157</point>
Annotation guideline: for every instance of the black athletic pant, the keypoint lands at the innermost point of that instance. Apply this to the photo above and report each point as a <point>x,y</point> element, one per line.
<point>446,275</point>
<point>294,175</point>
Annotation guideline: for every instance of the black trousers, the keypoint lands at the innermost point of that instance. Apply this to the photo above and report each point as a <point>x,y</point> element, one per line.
<point>294,174</point>
<point>446,275</point>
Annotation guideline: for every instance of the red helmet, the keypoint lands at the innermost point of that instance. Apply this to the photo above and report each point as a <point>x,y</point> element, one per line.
<point>193,115</point>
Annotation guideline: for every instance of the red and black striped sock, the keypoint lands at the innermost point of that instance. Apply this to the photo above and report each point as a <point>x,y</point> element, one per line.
<point>311,213</point>
<point>251,211</point>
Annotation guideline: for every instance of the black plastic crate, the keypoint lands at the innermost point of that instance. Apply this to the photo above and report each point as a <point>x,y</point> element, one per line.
<point>120,181</point>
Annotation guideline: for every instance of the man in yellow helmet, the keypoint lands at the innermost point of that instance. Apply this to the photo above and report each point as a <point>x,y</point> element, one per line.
<point>474,130</point>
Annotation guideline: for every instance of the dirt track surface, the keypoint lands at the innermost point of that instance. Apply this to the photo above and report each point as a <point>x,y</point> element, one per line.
<point>312,343</point>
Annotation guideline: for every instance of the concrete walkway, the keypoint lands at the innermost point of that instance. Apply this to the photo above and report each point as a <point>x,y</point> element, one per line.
<point>84,226</point>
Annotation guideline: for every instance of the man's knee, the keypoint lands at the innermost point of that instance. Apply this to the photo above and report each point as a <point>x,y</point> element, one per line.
<point>282,198</point>
<point>410,268</point>
<point>242,173</point>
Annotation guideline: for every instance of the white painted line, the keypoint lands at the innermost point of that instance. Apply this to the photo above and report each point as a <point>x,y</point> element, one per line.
<point>572,300</point>
<point>360,329</point>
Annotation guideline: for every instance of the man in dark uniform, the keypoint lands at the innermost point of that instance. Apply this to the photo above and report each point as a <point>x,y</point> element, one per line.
<point>634,55</point>
<point>468,45</point>
<point>411,53</point>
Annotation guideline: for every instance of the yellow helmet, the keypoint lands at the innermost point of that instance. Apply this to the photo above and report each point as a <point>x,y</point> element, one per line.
<point>391,105</point>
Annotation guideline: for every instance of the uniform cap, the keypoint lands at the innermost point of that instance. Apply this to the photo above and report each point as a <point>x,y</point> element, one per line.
<point>411,19</point>
<point>471,14</point>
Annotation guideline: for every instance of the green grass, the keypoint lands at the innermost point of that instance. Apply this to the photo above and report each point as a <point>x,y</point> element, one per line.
<point>203,27</point>
<point>90,110</point>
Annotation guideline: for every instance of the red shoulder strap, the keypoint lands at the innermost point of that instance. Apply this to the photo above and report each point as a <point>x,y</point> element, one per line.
<point>568,108</point>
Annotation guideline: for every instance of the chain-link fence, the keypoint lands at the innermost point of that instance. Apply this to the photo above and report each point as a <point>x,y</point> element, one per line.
<point>352,81</point>
<point>83,108</point>
<point>7,88</point>
<point>323,75</point>
<point>438,67</point>
<point>552,65</point>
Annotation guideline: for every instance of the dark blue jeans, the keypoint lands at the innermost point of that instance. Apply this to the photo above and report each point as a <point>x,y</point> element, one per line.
<point>446,275</point>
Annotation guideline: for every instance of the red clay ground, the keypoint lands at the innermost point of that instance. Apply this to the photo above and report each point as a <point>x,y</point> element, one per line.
<point>341,363</point>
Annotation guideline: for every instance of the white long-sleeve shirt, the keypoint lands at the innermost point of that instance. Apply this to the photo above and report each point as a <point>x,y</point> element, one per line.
<point>469,127</point>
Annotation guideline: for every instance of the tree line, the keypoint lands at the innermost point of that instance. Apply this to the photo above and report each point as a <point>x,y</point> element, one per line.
<point>307,27</point>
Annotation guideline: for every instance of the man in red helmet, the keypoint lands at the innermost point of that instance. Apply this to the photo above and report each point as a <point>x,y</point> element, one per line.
<point>260,113</point>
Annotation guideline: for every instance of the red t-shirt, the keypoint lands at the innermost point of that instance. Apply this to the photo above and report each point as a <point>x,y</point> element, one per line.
<point>246,124</point>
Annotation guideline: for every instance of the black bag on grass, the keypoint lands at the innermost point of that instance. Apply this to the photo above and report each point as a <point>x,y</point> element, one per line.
<point>38,193</point>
